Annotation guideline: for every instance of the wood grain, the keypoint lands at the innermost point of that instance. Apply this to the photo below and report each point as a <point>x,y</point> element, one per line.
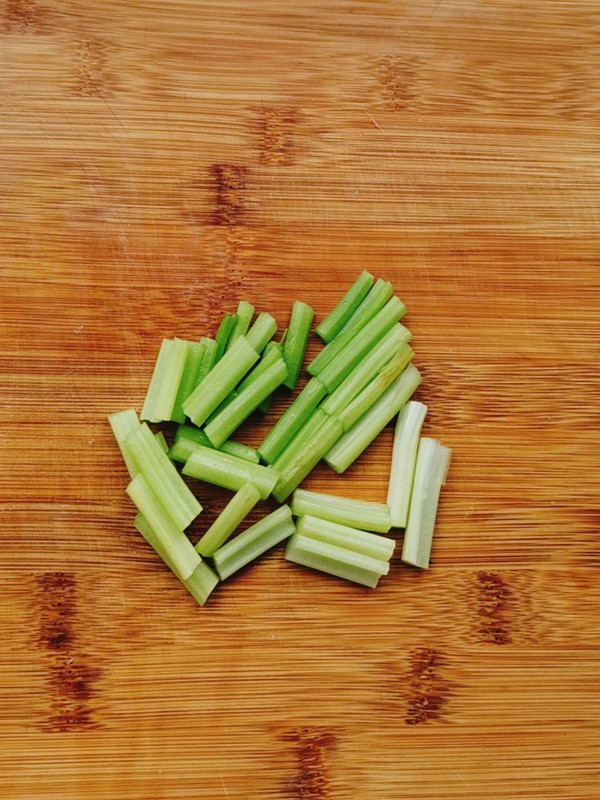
<point>161,162</point>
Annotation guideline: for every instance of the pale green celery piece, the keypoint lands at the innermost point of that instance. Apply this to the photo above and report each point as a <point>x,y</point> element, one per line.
<point>355,539</point>
<point>361,344</point>
<point>350,415</point>
<point>333,323</point>
<point>362,514</point>
<point>209,358</point>
<point>404,458</point>
<point>160,438</point>
<point>365,370</point>
<point>122,424</point>
<point>187,437</point>
<point>296,340</point>
<point>253,542</point>
<point>220,381</point>
<point>236,510</point>
<point>433,461</point>
<point>298,442</point>
<point>294,472</point>
<point>201,583</point>
<point>247,401</point>
<point>189,379</point>
<point>379,295</point>
<point>288,425</point>
<point>183,559</point>
<point>222,469</point>
<point>262,331</point>
<point>142,525</point>
<point>227,324</point>
<point>243,314</point>
<point>338,561</point>
<point>354,441</point>
<point>165,380</point>
<point>164,480</point>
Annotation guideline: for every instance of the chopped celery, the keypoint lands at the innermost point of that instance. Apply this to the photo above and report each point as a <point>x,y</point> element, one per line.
<point>355,539</point>
<point>291,420</point>
<point>201,583</point>
<point>247,401</point>
<point>329,327</point>
<point>253,542</point>
<point>298,442</point>
<point>362,514</point>
<point>243,318</point>
<point>160,438</point>
<point>223,333</point>
<point>354,441</point>
<point>404,458</point>
<point>296,340</point>
<point>338,561</point>
<point>209,358</point>
<point>433,460</point>
<point>222,469</point>
<point>165,380</point>
<point>122,424</point>
<point>219,382</point>
<point>189,379</point>
<point>187,436</point>
<point>262,331</point>
<point>242,502</point>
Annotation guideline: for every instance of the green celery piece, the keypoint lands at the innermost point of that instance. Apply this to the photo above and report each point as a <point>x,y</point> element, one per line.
<point>122,424</point>
<point>209,358</point>
<point>333,323</point>
<point>379,295</point>
<point>219,382</point>
<point>433,461</point>
<point>361,344</point>
<point>162,477</point>
<point>291,420</point>
<point>355,539</point>
<point>366,370</point>
<point>262,331</point>
<point>404,458</point>
<point>187,436</point>
<point>227,324</point>
<point>222,469</point>
<point>243,315</point>
<point>247,401</point>
<point>160,438</point>
<point>189,379</point>
<point>183,559</point>
<point>361,514</point>
<point>298,442</point>
<point>296,340</point>
<point>354,441</point>
<point>373,391</point>
<point>142,525</point>
<point>294,471</point>
<point>253,542</point>
<point>164,383</point>
<point>338,561</point>
<point>237,509</point>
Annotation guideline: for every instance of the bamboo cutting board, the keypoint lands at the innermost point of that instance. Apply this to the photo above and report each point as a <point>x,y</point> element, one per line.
<point>160,162</point>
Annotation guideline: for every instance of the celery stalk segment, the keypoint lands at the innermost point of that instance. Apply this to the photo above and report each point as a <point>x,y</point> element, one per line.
<point>362,514</point>
<point>296,340</point>
<point>189,379</point>
<point>404,458</point>
<point>188,436</point>
<point>262,331</point>
<point>223,333</point>
<point>334,560</point>
<point>222,469</point>
<point>240,505</point>
<point>122,424</point>
<point>332,324</point>
<point>243,318</point>
<point>164,383</point>
<point>368,544</point>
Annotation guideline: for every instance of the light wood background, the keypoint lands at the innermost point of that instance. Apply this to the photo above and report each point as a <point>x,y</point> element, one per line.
<point>161,161</point>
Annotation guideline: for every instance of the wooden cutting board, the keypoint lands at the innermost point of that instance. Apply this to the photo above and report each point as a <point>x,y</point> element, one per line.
<point>160,162</point>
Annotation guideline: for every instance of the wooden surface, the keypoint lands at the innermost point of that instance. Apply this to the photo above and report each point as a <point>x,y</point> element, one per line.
<point>161,161</point>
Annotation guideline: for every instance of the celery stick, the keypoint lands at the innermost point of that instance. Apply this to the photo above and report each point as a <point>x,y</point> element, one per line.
<point>373,391</point>
<point>222,469</point>
<point>338,561</point>
<point>162,477</point>
<point>253,542</point>
<point>187,436</point>
<point>433,461</point>
<point>160,438</point>
<point>243,318</point>
<point>294,472</point>
<point>365,370</point>
<point>209,358</point>
<point>122,424</point>
<point>296,340</point>
<point>165,380</point>
<point>291,420</point>
<point>182,556</point>
<point>201,583</point>
<point>361,344</point>
<point>242,502</point>
<point>297,443</point>
<point>189,379</point>
<point>355,539</point>
<point>223,333</point>
<point>404,458</point>
<point>262,331</point>
<point>353,442</point>
<point>247,401</point>
<point>329,327</point>
<point>362,514</point>
<point>219,382</point>
<point>142,525</point>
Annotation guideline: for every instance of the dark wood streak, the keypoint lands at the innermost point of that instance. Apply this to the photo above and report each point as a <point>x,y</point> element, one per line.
<point>22,16</point>
<point>311,746</point>
<point>277,127</point>
<point>228,189</point>
<point>494,599</point>
<point>428,691</point>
